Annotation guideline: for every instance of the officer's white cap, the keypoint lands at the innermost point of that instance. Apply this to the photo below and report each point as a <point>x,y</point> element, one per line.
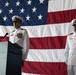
<point>73,22</point>
<point>16,18</point>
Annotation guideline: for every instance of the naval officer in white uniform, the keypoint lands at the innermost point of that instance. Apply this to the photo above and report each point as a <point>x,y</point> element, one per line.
<point>71,50</point>
<point>20,36</point>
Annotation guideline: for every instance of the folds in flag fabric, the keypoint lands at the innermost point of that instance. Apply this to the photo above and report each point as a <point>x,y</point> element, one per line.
<point>48,24</point>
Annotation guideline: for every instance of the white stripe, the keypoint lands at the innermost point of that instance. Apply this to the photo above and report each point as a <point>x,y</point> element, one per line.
<point>5,29</point>
<point>47,55</point>
<point>60,5</point>
<point>43,30</point>
<point>49,30</point>
<point>30,74</point>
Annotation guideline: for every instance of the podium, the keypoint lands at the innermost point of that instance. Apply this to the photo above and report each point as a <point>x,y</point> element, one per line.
<point>10,58</point>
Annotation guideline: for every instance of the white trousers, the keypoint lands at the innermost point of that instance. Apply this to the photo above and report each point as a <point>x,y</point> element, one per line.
<point>71,69</point>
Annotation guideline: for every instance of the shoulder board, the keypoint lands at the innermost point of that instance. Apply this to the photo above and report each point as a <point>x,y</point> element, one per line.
<point>13,30</point>
<point>70,34</point>
<point>23,29</point>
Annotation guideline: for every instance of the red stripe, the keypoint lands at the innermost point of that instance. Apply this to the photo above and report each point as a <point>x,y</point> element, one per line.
<point>56,42</point>
<point>45,68</point>
<point>61,16</point>
<point>4,39</point>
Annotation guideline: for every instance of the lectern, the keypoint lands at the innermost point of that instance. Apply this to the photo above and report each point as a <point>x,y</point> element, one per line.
<point>10,58</point>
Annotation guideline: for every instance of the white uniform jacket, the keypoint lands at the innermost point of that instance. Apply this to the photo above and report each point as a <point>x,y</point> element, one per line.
<point>20,36</point>
<point>71,49</point>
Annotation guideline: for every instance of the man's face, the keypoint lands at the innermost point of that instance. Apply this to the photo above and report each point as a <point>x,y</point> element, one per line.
<point>17,24</point>
<point>74,28</point>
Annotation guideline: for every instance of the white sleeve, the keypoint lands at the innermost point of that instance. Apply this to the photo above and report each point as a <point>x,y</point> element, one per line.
<point>67,49</point>
<point>25,45</point>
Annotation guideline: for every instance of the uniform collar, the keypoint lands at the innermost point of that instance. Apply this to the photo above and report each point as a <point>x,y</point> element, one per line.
<point>74,33</point>
<point>17,29</point>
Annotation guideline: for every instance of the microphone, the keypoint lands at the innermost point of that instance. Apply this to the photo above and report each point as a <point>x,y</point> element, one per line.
<point>5,35</point>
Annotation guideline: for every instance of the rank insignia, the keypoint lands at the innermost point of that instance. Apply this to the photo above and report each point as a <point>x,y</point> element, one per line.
<point>19,35</point>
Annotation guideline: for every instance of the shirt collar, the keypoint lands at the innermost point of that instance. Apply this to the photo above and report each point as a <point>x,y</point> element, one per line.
<point>17,29</point>
<point>74,33</point>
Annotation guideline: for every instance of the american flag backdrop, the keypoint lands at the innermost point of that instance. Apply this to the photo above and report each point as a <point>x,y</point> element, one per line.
<point>48,24</point>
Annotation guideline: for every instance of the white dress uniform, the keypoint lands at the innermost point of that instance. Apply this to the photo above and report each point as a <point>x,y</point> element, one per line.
<point>71,53</point>
<point>20,36</point>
